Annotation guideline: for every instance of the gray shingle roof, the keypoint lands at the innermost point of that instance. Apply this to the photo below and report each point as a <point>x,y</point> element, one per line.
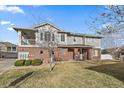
<point>60,30</point>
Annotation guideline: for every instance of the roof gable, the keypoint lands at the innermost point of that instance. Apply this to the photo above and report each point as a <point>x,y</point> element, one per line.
<point>50,24</point>
<point>34,28</point>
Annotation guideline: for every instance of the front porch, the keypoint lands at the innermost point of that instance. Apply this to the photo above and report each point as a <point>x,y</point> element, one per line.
<point>77,53</point>
<point>27,37</point>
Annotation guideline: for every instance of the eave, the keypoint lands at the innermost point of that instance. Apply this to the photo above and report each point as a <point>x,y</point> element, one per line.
<point>22,29</point>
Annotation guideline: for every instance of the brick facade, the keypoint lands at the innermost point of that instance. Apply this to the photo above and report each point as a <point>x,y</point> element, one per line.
<point>60,54</point>
<point>98,57</point>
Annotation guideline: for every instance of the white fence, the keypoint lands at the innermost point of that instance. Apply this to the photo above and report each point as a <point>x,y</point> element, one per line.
<point>106,56</point>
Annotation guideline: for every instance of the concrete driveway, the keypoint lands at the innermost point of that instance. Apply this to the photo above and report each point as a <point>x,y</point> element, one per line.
<point>6,64</point>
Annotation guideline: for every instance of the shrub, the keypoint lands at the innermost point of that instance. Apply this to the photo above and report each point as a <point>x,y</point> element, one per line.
<point>19,63</point>
<point>27,62</point>
<point>104,51</point>
<point>36,62</point>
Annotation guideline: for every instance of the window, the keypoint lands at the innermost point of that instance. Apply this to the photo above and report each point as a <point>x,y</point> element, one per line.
<point>74,39</point>
<point>122,53</point>
<point>62,37</point>
<point>13,48</point>
<point>41,36</point>
<point>70,50</point>
<point>41,52</point>
<point>95,52</point>
<point>8,48</point>
<point>53,52</point>
<point>23,55</point>
<point>53,37</point>
<point>47,36</point>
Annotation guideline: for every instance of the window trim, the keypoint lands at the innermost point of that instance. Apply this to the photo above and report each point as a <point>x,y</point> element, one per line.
<point>53,37</point>
<point>9,48</point>
<point>63,37</point>
<point>46,35</point>
<point>41,36</point>
<point>13,48</point>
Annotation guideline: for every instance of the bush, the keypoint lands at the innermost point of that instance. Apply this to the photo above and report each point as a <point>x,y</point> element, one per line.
<point>104,51</point>
<point>27,62</point>
<point>19,63</point>
<point>36,62</point>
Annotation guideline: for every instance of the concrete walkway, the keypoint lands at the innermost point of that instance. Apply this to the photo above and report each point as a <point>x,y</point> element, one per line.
<point>6,64</point>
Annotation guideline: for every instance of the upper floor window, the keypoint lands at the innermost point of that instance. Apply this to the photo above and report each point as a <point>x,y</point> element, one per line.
<point>53,37</point>
<point>74,39</point>
<point>47,36</point>
<point>62,37</point>
<point>41,36</point>
<point>13,48</point>
<point>8,48</point>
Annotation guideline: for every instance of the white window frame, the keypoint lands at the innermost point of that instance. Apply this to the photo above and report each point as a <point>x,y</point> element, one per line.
<point>23,55</point>
<point>95,52</point>
<point>62,37</point>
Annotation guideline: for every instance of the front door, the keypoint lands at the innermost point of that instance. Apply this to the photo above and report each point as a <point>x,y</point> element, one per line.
<point>70,54</point>
<point>83,54</point>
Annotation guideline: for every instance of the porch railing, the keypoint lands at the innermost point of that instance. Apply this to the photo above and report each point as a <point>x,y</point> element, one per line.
<point>28,42</point>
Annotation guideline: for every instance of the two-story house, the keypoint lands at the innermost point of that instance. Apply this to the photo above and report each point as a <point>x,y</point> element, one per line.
<point>70,46</point>
<point>8,50</point>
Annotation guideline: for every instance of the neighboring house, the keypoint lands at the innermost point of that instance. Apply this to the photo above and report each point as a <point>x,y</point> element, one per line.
<point>120,52</point>
<point>71,46</point>
<point>8,50</point>
<point>117,53</point>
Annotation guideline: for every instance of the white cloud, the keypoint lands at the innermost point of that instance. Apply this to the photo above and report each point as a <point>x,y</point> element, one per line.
<point>13,9</point>
<point>10,28</point>
<point>5,22</point>
<point>12,24</point>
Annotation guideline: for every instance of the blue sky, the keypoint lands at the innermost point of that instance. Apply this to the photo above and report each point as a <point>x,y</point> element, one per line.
<point>69,18</point>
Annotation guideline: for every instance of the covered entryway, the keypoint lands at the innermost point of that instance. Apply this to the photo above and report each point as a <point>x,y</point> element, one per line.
<point>70,53</point>
<point>77,52</point>
<point>85,53</point>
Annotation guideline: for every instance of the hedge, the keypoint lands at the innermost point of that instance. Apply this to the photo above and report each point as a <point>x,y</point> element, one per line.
<point>28,62</point>
<point>19,63</point>
<point>36,62</point>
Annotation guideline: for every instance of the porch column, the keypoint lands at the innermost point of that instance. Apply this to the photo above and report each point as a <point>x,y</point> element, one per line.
<point>81,54</point>
<point>76,54</point>
<point>36,37</point>
<point>19,38</point>
<point>89,54</point>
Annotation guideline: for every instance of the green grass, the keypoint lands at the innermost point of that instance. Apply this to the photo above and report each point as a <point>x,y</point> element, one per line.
<point>73,75</point>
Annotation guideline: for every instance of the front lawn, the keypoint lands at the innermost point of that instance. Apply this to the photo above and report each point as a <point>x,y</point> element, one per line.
<point>9,76</point>
<point>71,74</point>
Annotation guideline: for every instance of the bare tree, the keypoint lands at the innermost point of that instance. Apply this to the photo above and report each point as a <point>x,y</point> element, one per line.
<point>110,24</point>
<point>49,43</point>
<point>0,52</point>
